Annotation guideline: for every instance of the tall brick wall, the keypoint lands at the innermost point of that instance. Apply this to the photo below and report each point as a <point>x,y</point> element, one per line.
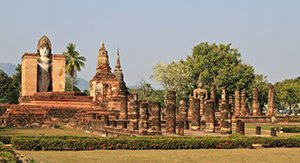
<point>58,73</point>
<point>29,74</point>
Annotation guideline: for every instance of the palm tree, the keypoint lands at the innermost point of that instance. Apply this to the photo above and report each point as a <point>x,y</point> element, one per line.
<point>74,62</point>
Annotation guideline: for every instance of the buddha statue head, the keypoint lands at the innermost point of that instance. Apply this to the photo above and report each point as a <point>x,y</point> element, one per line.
<point>44,47</point>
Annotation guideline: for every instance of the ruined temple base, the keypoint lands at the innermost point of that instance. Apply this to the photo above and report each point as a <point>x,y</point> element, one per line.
<point>47,109</point>
<point>59,99</point>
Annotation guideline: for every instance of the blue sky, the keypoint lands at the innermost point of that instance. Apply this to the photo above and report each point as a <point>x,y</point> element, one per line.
<point>147,32</point>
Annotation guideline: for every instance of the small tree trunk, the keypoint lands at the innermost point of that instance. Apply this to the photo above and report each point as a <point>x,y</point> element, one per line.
<point>72,83</point>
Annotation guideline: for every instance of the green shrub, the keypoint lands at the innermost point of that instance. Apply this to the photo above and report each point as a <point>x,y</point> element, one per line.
<point>6,139</point>
<point>7,157</point>
<point>281,142</point>
<point>92,143</point>
<point>6,154</point>
<point>292,129</point>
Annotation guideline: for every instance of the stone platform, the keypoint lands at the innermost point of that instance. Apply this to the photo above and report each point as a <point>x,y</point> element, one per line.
<point>46,108</point>
<point>59,100</point>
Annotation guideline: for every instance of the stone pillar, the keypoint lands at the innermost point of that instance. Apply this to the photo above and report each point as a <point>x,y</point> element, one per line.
<point>171,113</point>
<point>202,107</point>
<point>237,104</point>
<point>225,121</point>
<point>271,110</point>
<point>190,109</point>
<point>258,130</point>
<point>273,131</point>
<point>243,103</point>
<point>133,112</point>
<point>210,116</point>
<point>255,105</point>
<point>186,121</point>
<point>144,117</point>
<point>231,104</point>
<point>58,73</point>
<point>123,106</point>
<point>29,74</point>
<point>195,121</point>
<point>181,118</point>
<point>240,127</point>
<point>155,124</point>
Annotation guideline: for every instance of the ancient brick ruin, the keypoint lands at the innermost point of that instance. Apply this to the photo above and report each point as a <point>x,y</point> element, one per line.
<point>111,109</point>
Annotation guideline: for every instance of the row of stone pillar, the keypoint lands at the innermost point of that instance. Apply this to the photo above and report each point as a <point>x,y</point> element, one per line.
<point>240,108</point>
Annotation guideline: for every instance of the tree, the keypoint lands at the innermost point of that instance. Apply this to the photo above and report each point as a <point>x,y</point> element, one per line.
<point>10,86</point>
<point>74,62</point>
<point>176,76</point>
<point>71,84</point>
<point>4,87</point>
<point>146,92</point>
<point>261,83</point>
<point>220,65</point>
<point>287,93</point>
<point>16,85</point>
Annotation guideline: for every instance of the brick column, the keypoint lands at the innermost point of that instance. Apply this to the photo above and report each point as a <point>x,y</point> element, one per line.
<point>225,121</point>
<point>144,117</point>
<point>237,104</point>
<point>210,116</point>
<point>240,127</point>
<point>181,120</point>
<point>58,72</point>
<point>123,106</point>
<point>243,103</point>
<point>190,110</point>
<point>171,113</point>
<point>155,123</point>
<point>29,74</point>
<point>258,130</point>
<point>195,121</point>
<point>202,107</point>
<point>133,112</point>
<point>255,105</point>
<point>271,110</point>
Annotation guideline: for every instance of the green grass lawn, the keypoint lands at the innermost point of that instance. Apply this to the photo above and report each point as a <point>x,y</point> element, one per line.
<point>200,155</point>
<point>43,131</point>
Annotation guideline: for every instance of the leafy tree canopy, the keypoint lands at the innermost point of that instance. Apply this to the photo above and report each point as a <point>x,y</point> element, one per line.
<point>146,92</point>
<point>74,62</point>
<point>288,93</point>
<point>215,64</point>
<point>10,86</point>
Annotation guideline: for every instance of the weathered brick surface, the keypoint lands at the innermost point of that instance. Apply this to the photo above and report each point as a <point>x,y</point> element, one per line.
<point>58,72</point>
<point>171,113</point>
<point>237,103</point>
<point>29,74</point>
<point>210,116</point>
<point>255,105</point>
<point>271,104</point>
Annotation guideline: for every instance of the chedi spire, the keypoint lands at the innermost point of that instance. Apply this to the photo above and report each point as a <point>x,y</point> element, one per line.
<point>119,74</point>
<point>118,64</point>
<point>103,61</point>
